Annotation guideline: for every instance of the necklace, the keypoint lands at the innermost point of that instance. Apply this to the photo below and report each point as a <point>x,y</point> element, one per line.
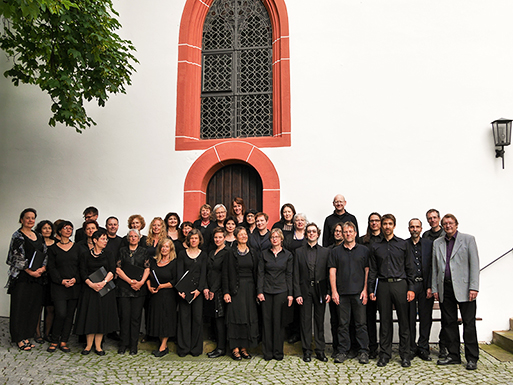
<point>62,243</point>
<point>94,254</point>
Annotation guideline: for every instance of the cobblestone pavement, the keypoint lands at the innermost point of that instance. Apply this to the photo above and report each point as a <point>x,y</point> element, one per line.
<point>41,367</point>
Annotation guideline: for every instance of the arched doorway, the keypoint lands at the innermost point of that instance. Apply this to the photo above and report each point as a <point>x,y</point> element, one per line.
<point>236,180</point>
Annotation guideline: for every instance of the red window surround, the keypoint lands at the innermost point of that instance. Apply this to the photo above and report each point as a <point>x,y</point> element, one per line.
<point>188,112</point>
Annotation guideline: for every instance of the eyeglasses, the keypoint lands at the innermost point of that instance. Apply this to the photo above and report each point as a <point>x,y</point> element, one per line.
<point>312,231</point>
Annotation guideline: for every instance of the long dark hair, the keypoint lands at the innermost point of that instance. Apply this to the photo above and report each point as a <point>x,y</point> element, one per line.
<point>366,237</point>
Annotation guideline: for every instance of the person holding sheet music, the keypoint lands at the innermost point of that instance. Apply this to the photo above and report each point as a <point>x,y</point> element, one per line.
<point>190,311</point>
<point>162,315</point>
<point>97,311</point>
<point>132,268</point>
<point>27,262</point>
<point>65,286</point>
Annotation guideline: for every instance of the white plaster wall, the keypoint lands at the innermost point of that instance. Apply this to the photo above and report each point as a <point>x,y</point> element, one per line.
<point>391,104</point>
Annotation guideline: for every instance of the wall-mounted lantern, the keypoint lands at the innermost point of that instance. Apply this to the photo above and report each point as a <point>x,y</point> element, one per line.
<point>501,136</point>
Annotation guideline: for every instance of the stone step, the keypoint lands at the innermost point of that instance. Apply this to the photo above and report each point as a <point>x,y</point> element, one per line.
<point>504,339</point>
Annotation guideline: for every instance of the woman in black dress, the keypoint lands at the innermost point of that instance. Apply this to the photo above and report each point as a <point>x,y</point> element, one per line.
<point>239,278</point>
<point>162,315</point>
<point>214,293</point>
<point>190,316</point>
<point>97,315</point>
<point>47,230</point>
<point>274,287</point>
<point>63,268</point>
<point>25,284</point>
<point>131,290</point>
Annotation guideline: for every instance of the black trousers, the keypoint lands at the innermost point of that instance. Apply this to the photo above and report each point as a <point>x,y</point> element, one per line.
<point>272,328</point>
<point>449,308</point>
<point>130,316</point>
<point>393,293</point>
<point>334,325</point>
<point>220,326</point>
<point>63,321</point>
<point>350,306</point>
<point>312,307</point>
<point>424,308</point>
<point>190,327</point>
<point>371,310</point>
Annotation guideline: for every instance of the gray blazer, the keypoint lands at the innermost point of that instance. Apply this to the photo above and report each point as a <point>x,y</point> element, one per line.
<point>464,266</point>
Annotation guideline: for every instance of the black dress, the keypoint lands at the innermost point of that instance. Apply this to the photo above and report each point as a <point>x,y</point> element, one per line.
<point>26,295</point>
<point>241,313</point>
<point>162,314</point>
<point>96,314</point>
<point>64,264</point>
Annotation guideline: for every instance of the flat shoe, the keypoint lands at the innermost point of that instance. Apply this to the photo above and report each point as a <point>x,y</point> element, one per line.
<point>236,355</point>
<point>99,352</point>
<point>85,352</point>
<point>39,339</point>
<point>24,346</point>
<point>160,353</point>
<point>52,348</point>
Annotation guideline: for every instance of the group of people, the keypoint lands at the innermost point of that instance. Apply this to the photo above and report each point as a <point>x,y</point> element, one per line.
<point>252,283</point>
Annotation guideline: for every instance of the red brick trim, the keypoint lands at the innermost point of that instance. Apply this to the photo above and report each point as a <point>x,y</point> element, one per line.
<point>188,108</point>
<point>220,155</point>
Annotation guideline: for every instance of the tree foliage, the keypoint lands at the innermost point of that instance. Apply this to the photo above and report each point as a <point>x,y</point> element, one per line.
<point>69,49</point>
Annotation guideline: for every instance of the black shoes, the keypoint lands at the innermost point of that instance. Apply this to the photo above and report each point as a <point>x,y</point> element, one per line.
<point>373,354</point>
<point>122,350</point>
<point>244,353</point>
<point>236,355</point>
<point>307,357</point>
<point>423,355</point>
<point>216,353</point>
<point>322,357</point>
<point>443,353</point>
<point>294,338</point>
<point>99,352</point>
<point>340,358</point>
<point>133,351</point>
<point>160,353</point>
<point>363,358</point>
<point>471,365</point>
<point>85,352</point>
<point>382,362</point>
<point>448,361</point>
<point>405,363</point>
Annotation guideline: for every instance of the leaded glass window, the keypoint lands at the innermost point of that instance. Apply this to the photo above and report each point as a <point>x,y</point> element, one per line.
<point>236,95</point>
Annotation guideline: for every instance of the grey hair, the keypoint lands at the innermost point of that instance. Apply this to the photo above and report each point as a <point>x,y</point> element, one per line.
<point>218,206</point>
<point>299,215</point>
<point>137,232</point>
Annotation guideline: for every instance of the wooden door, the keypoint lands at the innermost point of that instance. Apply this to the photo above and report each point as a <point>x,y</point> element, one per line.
<point>235,180</point>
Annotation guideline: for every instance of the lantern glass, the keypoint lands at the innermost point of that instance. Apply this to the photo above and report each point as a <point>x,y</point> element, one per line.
<point>502,132</point>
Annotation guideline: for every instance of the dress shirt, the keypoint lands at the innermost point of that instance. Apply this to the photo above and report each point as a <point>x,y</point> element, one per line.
<point>449,246</point>
<point>275,272</point>
<point>389,259</point>
<point>329,225</point>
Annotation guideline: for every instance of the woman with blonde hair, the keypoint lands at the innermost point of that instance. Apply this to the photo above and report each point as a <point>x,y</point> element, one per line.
<point>156,234</point>
<point>162,317</point>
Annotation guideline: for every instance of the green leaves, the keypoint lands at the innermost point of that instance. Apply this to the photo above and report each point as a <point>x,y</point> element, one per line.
<point>70,50</point>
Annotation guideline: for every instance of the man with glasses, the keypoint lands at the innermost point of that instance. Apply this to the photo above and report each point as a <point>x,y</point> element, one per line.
<point>339,215</point>
<point>311,291</point>
<point>455,284</point>
<point>90,212</point>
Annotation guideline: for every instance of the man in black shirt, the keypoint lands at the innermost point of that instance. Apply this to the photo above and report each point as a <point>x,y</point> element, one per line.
<point>419,251</point>
<point>339,215</point>
<point>349,270</point>
<point>113,240</point>
<point>391,283</point>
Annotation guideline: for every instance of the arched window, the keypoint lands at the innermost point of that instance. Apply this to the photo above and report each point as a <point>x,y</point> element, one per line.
<point>233,74</point>
<point>236,97</point>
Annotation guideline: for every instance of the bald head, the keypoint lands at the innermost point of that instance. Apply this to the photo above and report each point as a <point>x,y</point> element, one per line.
<point>339,202</point>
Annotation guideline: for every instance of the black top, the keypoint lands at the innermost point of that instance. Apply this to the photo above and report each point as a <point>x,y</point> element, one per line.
<point>64,265</point>
<point>113,245</point>
<point>433,235</point>
<point>258,242</point>
<point>231,270</point>
<point>291,244</point>
<point>311,265</point>
<point>215,268</point>
<point>389,259</point>
<point>206,232</point>
<point>329,226</point>
<point>80,234</point>
<point>138,258</point>
<point>166,273</point>
<point>275,273</point>
<point>350,265</point>
<point>196,266</point>
<point>372,239</point>
<point>89,264</point>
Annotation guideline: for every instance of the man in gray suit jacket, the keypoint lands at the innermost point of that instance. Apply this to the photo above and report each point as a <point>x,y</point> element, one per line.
<point>456,283</point>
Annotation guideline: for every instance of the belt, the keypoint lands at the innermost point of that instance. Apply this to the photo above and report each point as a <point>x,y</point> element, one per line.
<point>418,279</point>
<point>393,279</point>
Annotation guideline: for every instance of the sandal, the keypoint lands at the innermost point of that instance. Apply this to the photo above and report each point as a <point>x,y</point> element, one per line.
<point>65,348</point>
<point>24,346</point>
<point>52,348</point>
<point>27,342</point>
<point>244,353</point>
<point>39,339</point>
<point>236,354</point>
